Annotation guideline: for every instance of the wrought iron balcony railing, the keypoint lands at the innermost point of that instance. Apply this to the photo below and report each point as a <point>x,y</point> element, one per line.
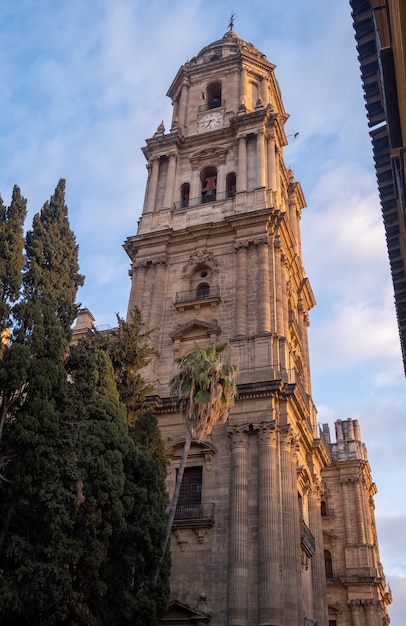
<point>307,540</point>
<point>189,515</point>
<point>211,292</point>
<point>215,196</point>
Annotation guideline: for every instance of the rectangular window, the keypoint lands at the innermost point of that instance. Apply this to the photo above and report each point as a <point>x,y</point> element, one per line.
<point>191,487</point>
<point>189,505</point>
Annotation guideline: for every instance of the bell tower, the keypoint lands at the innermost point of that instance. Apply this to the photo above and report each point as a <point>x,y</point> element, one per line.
<point>222,208</point>
<point>217,257</point>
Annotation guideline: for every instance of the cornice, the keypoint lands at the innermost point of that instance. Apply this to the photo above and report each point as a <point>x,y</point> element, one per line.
<point>192,69</point>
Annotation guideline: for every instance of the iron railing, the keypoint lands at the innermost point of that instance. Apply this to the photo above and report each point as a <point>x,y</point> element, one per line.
<point>215,103</point>
<point>194,511</point>
<point>307,540</point>
<point>193,294</point>
<point>194,515</point>
<point>216,196</point>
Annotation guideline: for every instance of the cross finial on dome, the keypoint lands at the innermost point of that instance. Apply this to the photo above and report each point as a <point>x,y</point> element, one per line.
<point>231,22</point>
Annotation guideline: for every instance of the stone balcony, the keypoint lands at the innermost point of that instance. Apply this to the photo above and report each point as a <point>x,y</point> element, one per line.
<point>194,515</point>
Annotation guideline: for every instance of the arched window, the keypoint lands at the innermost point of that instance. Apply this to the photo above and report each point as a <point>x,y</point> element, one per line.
<point>209,184</point>
<point>328,563</point>
<point>231,185</point>
<point>184,194</point>
<point>323,508</point>
<point>203,291</point>
<point>214,95</point>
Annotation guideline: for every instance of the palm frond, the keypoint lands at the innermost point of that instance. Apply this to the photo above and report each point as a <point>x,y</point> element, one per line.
<point>205,388</point>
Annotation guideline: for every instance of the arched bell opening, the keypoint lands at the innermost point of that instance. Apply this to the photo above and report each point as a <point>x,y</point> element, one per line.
<point>214,95</point>
<point>185,194</point>
<point>209,184</point>
<point>231,185</point>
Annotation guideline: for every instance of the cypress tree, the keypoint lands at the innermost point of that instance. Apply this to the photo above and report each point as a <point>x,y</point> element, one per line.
<point>11,253</point>
<point>129,352</point>
<point>82,464</point>
<point>133,598</point>
<point>94,422</point>
<point>51,280</point>
<point>135,552</point>
<point>34,495</point>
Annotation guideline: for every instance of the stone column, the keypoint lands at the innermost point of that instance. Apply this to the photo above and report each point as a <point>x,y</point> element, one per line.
<point>264,314</point>
<point>346,490</point>
<point>359,506</point>
<point>373,616</point>
<point>195,187</point>
<point>270,608</point>
<point>243,87</point>
<point>242,164</point>
<point>221,178</point>
<point>152,186</point>
<point>184,96</point>
<point>170,181</point>
<point>290,530</point>
<point>277,175</point>
<point>370,518</point>
<point>317,562</point>
<point>137,289</point>
<point>357,619</point>
<point>271,161</point>
<point>261,182</point>
<point>157,304</point>
<point>279,317</point>
<point>238,547</point>
<point>241,293</point>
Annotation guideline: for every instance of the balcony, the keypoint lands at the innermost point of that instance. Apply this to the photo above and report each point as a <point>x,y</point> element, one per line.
<point>194,515</point>
<point>216,196</point>
<point>196,297</point>
<point>307,540</point>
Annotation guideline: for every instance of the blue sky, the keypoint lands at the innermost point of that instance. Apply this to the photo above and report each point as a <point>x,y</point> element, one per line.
<point>83,85</point>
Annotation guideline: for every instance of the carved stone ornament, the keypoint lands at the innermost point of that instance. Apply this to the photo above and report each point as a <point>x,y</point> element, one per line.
<point>202,257</point>
<point>183,538</point>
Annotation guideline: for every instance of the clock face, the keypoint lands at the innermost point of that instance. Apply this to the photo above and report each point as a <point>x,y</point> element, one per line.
<point>211,121</point>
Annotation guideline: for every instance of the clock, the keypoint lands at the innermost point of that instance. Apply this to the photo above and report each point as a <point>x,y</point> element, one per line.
<point>211,121</point>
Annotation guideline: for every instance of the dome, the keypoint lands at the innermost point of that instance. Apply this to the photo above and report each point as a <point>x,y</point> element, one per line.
<point>229,45</point>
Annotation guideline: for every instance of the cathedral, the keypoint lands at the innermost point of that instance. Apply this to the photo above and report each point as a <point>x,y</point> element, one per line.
<point>275,522</point>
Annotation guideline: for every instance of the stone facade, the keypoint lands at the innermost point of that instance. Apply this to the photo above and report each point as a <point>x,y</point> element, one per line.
<point>217,257</point>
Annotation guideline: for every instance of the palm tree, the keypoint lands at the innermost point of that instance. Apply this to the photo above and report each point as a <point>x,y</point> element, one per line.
<point>205,390</point>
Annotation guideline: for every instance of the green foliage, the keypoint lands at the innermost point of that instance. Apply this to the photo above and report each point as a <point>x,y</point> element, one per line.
<point>11,253</point>
<point>50,281</point>
<point>36,547</point>
<point>204,388</point>
<point>136,552</point>
<point>94,422</point>
<point>82,463</point>
<point>129,352</point>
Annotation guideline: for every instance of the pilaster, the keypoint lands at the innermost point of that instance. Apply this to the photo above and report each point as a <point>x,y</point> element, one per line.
<point>138,273</point>
<point>264,314</point>
<point>261,178</point>
<point>317,563</point>
<point>242,163</point>
<point>241,291</point>
<point>290,529</point>
<point>157,301</point>
<point>270,607</point>
<point>152,186</point>
<point>170,181</point>
<point>238,547</point>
